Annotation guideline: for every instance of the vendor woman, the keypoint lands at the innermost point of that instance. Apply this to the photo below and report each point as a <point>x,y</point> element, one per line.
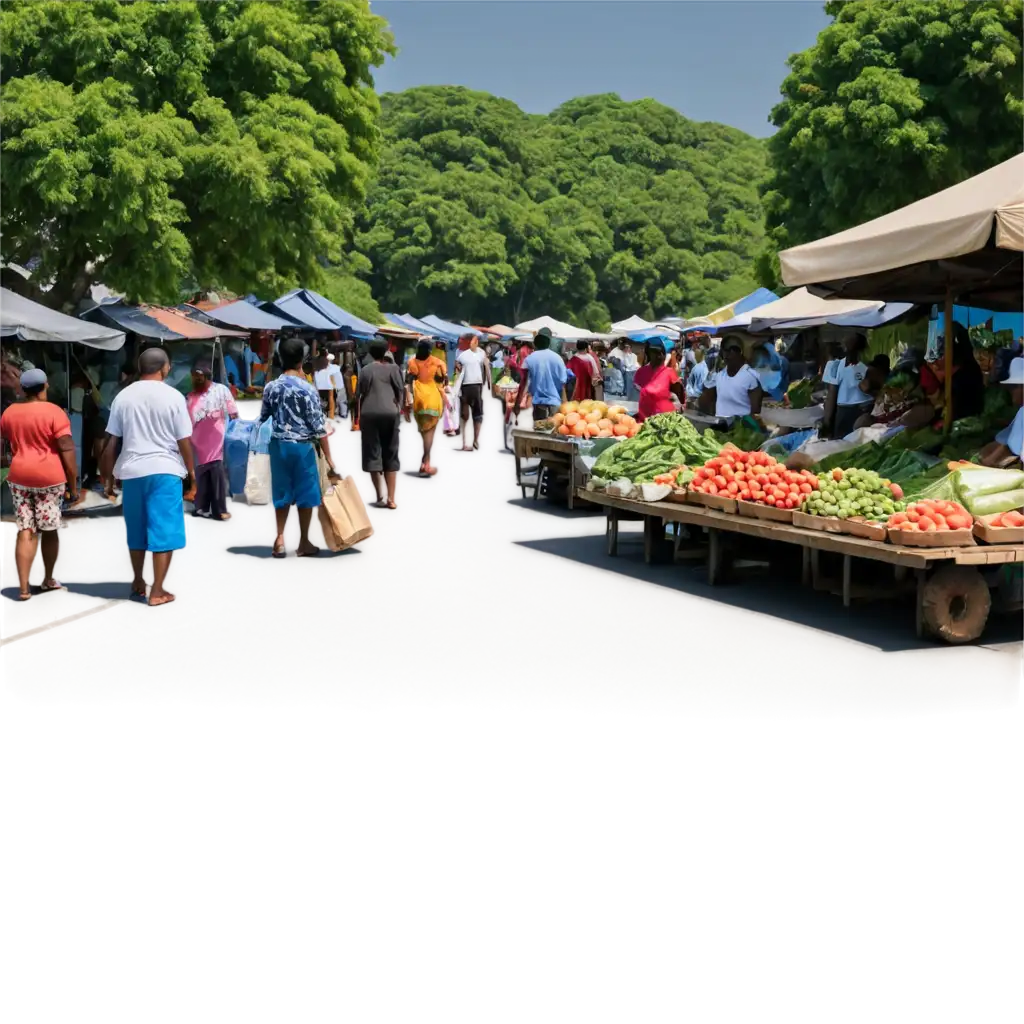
<point>1008,443</point>
<point>657,383</point>
<point>734,389</point>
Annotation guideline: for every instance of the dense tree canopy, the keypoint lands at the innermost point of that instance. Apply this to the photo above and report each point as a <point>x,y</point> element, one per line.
<point>597,211</point>
<point>896,100</point>
<point>150,144</point>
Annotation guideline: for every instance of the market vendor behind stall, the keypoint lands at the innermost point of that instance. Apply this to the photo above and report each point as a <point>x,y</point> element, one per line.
<point>657,383</point>
<point>1008,443</point>
<point>734,389</point>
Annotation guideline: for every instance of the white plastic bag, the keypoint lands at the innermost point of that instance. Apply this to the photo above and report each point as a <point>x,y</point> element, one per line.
<point>257,479</point>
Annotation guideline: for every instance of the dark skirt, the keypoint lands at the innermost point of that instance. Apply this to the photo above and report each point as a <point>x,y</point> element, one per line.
<point>379,435</point>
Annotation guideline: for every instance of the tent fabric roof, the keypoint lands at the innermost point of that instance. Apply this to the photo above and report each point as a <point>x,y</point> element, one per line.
<point>633,323</point>
<point>866,319</point>
<point>966,238</point>
<point>32,321</point>
<point>246,315</point>
<point>130,318</point>
<point>300,313</point>
<point>448,327</point>
<point>194,330</point>
<point>341,318</point>
<point>558,328</point>
<point>799,303</point>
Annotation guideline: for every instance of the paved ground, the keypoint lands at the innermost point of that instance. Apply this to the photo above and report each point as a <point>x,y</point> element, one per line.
<point>468,601</point>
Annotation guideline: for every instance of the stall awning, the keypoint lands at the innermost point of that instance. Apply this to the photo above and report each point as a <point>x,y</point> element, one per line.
<point>966,239</point>
<point>194,330</point>
<point>558,328</point>
<point>407,320</point>
<point>300,313</point>
<point>798,304</point>
<point>447,327</point>
<point>247,316</point>
<point>865,319</point>
<point>342,318</point>
<point>131,318</point>
<point>31,321</point>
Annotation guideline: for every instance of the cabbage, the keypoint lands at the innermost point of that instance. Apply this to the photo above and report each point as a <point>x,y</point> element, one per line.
<point>991,504</point>
<point>974,482</point>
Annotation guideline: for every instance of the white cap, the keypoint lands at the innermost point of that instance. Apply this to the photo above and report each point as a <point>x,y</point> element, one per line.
<point>330,357</point>
<point>1016,374</point>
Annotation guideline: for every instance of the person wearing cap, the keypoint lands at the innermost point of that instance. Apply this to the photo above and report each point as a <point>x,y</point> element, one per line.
<point>152,421</point>
<point>210,407</point>
<point>1008,443</point>
<point>657,383</point>
<point>733,390</point>
<point>543,377</point>
<point>42,466</point>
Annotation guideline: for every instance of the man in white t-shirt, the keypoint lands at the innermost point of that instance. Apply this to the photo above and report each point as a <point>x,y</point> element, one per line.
<point>845,396</point>
<point>474,373</point>
<point>733,390</point>
<point>152,421</point>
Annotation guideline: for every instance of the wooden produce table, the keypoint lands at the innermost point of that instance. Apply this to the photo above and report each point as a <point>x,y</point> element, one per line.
<point>550,448</point>
<point>940,572</point>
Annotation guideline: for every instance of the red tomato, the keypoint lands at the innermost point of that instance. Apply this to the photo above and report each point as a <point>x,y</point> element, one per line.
<point>733,488</point>
<point>806,488</point>
<point>720,481</point>
<point>773,478</point>
<point>712,488</point>
<point>745,494</point>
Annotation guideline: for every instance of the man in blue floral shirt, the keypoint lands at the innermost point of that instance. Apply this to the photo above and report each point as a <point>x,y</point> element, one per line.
<point>299,425</point>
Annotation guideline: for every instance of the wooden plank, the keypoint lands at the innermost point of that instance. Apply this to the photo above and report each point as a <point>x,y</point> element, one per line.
<point>841,544</point>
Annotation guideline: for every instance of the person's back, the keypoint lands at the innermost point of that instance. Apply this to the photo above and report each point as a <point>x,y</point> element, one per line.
<point>547,376</point>
<point>382,394</point>
<point>295,407</point>
<point>32,430</point>
<point>150,417</point>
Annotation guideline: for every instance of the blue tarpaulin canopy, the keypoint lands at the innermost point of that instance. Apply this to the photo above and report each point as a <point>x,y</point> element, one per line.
<point>130,318</point>
<point>342,318</point>
<point>449,328</point>
<point>753,300</point>
<point>293,308</point>
<point>407,320</point>
<point>242,314</point>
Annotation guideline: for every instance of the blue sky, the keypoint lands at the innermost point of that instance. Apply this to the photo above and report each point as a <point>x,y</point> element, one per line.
<point>712,61</point>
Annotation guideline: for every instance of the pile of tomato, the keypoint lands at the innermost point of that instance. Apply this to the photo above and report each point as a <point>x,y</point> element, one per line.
<point>929,515</point>
<point>753,476</point>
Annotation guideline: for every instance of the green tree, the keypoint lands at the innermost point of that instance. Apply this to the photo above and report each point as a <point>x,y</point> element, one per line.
<point>599,210</point>
<point>146,143</point>
<point>895,101</point>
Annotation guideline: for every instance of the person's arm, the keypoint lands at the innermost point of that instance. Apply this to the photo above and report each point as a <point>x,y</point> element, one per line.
<point>831,397</point>
<point>756,398</point>
<point>109,451</point>
<point>232,409</point>
<point>66,451</point>
<point>524,376</point>
<point>185,447</point>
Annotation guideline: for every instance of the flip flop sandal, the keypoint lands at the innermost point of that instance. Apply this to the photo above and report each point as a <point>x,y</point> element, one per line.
<point>278,552</point>
<point>57,585</point>
<point>221,518</point>
<point>308,554</point>
<point>22,596</point>
<point>138,595</point>
<point>160,601</point>
<point>390,504</point>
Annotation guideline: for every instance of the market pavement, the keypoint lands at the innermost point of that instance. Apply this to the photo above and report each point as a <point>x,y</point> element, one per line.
<point>468,602</point>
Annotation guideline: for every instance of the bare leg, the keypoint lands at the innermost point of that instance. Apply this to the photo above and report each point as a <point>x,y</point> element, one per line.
<point>25,548</point>
<point>306,547</point>
<point>51,548</point>
<point>465,423</point>
<point>476,432</point>
<point>281,515</point>
<point>390,478</point>
<point>138,565</point>
<point>428,444</point>
<point>377,479</point>
<point>161,563</point>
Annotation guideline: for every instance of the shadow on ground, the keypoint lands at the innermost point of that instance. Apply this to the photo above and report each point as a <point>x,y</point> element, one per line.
<point>114,591</point>
<point>887,624</point>
<point>264,551</point>
<point>559,511</point>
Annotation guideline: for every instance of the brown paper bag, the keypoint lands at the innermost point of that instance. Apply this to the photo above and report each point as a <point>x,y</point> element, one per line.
<point>343,516</point>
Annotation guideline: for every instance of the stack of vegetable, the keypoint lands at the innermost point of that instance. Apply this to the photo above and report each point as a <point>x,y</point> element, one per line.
<point>929,516</point>
<point>1008,520</point>
<point>663,443</point>
<point>753,476</point>
<point>799,394</point>
<point>984,492</point>
<point>854,493</point>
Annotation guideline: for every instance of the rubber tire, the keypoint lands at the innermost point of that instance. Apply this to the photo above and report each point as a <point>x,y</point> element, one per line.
<point>956,583</point>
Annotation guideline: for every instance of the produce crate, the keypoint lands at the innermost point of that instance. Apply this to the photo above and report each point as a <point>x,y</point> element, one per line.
<point>715,501</point>
<point>755,510</point>
<point>679,495</point>
<point>857,526</point>
<point>997,534</point>
<point>932,539</point>
<point>824,524</point>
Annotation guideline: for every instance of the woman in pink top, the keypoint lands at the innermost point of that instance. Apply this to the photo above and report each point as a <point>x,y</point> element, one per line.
<point>210,406</point>
<point>657,383</point>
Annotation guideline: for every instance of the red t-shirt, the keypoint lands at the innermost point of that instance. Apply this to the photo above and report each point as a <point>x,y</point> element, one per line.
<point>655,396</point>
<point>32,429</point>
<point>583,370</point>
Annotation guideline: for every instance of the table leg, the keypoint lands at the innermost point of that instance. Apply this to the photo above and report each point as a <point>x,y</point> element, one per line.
<point>612,532</point>
<point>714,556</point>
<point>847,566</point>
<point>519,468</point>
<point>815,568</point>
<point>572,481</point>
<point>805,566</point>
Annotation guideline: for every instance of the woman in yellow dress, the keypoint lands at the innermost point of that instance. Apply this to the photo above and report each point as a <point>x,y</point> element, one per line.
<point>427,376</point>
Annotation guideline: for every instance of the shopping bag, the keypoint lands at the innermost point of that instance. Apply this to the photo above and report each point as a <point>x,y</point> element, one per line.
<point>343,515</point>
<point>236,453</point>
<point>257,479</point>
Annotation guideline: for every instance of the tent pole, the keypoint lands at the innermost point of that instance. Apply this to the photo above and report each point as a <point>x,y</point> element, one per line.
<point>947,416</point>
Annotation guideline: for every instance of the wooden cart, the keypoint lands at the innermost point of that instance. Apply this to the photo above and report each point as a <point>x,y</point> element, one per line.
<point>554,450</point>
<point>953,597</point>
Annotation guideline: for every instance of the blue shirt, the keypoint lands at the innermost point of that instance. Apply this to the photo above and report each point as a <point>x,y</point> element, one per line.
<point>547,377</point>
<point>695,382</point>
<point>1013,435</point>
<point>295,406</point>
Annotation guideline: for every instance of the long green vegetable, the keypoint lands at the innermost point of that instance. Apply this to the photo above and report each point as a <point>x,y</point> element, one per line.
<point>662,443</point>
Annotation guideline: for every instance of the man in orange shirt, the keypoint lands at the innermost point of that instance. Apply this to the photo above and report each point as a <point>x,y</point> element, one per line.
<point>43,462</point>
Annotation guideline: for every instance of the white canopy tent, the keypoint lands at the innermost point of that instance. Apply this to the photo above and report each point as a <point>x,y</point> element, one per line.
<point>798,304</point>
<point>558,328</point>
<point>30,321</point>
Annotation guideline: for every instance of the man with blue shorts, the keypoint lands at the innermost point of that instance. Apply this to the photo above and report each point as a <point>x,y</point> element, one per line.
<point>299,425</point>
<point>152,420</point>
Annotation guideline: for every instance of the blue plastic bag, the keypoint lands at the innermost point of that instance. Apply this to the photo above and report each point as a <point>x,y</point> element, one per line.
<point>236,452</point>
<point>259,439</point>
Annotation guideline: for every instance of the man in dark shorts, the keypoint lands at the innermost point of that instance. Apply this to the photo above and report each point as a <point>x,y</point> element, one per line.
<point>475,370</point>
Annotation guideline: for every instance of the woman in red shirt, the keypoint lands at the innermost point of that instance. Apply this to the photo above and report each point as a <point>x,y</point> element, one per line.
<point>657,383</point>
<point>43,461</point>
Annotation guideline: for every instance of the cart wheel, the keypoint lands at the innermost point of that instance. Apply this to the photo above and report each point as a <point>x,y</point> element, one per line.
<point>955,603</point>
